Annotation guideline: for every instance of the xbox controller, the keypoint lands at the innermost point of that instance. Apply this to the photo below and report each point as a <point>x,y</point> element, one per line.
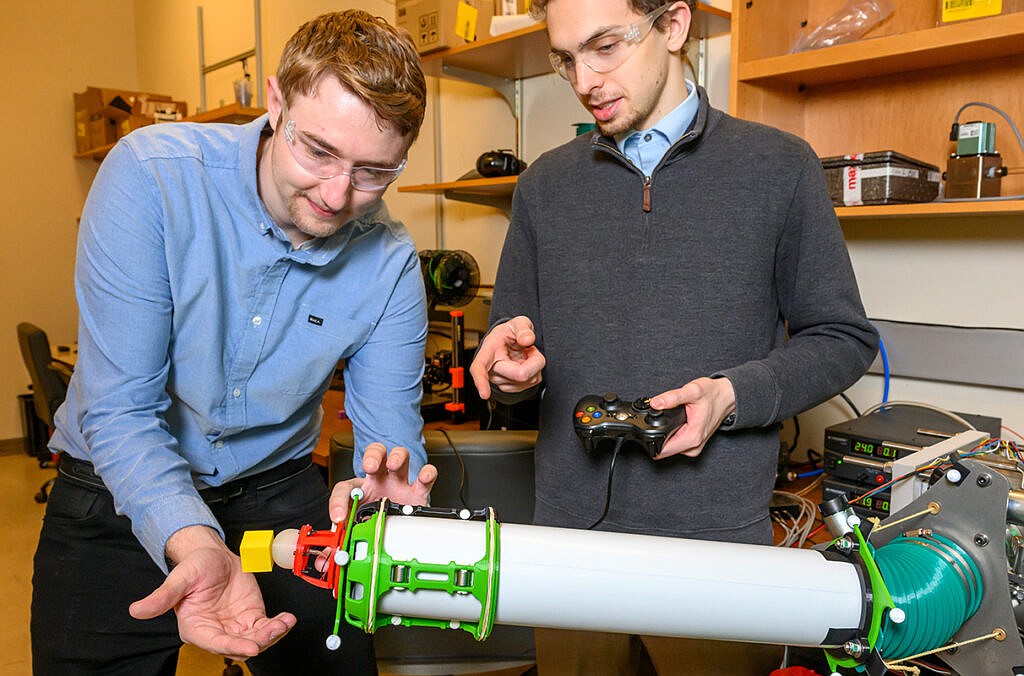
<point>600,417</point>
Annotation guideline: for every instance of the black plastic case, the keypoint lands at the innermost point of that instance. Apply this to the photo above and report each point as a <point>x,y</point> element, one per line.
<point>883,177</point>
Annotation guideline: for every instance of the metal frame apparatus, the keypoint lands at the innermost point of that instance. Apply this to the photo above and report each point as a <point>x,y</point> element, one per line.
<point>874,598</point>
<point>254,53</point>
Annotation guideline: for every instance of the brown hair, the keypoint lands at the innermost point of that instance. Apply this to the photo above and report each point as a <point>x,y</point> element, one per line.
<point>538,8</point>
<point>371,58</point>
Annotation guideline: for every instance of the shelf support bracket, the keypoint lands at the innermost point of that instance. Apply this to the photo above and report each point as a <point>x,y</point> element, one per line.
<point>510,90</point>
<point>502,204</point>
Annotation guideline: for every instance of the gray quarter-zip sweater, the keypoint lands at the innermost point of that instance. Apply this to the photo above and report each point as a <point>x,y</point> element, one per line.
<point>730,262</point>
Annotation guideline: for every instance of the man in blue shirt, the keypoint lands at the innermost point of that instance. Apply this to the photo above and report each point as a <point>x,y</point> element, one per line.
<point>222,273</point>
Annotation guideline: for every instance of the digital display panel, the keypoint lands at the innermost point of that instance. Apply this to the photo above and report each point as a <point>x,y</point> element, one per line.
<point>875,450</point>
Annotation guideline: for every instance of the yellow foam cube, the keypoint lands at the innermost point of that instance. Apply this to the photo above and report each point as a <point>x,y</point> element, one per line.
<point>255,551</point>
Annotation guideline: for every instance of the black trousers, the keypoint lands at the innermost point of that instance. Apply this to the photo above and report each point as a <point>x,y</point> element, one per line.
<point>89,567</point>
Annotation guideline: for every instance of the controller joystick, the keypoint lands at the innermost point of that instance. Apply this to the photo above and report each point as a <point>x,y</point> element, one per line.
<point>608,417</point>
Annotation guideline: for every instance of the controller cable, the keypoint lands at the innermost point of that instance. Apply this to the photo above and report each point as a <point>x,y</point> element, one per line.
<point>462,468</point>
<point>608,492</point>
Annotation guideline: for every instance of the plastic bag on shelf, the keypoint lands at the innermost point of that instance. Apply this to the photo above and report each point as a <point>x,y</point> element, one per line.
<point>850,23</point>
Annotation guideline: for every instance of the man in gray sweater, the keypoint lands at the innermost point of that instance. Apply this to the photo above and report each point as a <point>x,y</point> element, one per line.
<point>676,253</point>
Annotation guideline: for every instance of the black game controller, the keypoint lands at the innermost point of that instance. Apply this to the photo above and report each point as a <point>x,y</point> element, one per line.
<point>599,417</point>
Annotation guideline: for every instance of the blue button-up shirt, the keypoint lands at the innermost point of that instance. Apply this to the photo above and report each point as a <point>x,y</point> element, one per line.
<point>206,342</point>
<point>646,148</point>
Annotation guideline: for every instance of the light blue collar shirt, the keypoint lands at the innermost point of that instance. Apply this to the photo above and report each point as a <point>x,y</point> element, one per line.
<point>646,148</point>
<point>206,341</point>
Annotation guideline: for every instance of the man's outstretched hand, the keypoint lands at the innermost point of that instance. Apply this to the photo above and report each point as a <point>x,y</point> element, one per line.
<point>219,608</point>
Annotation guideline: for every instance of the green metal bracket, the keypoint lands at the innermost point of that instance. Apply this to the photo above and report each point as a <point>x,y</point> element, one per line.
<point>882,603</point>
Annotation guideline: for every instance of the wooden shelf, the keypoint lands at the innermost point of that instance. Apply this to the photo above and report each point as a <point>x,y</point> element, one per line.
<point>898,89</point>
<point>1008,207</point>
<point>234,113</point>
<point>97,153</point>
<point>492,192</point>
<point>502,185</point>
<point>947,45</point>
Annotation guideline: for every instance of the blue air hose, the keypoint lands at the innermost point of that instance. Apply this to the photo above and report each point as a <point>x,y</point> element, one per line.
<point>937,586</point>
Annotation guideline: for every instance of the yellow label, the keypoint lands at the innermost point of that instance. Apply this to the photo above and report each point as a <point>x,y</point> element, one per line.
<point>956,10</point>
<point>465,21</point>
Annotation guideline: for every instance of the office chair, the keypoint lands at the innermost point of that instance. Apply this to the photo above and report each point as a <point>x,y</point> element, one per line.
<point>49,384</point>
<point>476,468</point>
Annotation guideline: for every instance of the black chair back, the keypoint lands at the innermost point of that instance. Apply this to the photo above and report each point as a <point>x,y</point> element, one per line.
<point>48,387</point>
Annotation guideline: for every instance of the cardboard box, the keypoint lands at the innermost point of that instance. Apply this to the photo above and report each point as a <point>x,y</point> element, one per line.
<point>132,122</point>
<point>102,131</point>
<point>103,114</point>
<point>87,107</point>
<point>951,11</point>
<point>440,24</point>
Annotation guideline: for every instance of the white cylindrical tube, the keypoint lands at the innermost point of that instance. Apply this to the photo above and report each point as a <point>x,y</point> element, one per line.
<point>637,584</point>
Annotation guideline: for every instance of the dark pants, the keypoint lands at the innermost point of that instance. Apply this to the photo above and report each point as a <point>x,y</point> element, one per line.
<point>89,568</point>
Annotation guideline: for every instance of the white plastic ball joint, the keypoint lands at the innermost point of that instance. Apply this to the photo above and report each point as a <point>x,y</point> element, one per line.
<point>897,616</point>
<point>357,493</point>
<point>408,510</point>
<point>282,549</point>
<point>333,642</point>
<point>954,476</point>
<point>853,521</point>
<point>341,557</point>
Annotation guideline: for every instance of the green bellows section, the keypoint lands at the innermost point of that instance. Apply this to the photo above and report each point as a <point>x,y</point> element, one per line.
<point>935,583</point>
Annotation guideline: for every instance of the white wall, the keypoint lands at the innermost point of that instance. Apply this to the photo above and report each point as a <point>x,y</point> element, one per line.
<point>49,50</point>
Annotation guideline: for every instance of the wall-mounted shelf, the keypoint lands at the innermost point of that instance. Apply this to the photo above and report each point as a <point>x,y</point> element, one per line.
<point>1014,207</point>
<point>934,47</point>
<point>492,192</point>
<point>234,113</point>
<point>899,88</point>
<point>497,192</point>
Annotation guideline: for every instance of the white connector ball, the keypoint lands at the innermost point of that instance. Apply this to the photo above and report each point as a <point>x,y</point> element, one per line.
<point>333,642</point>
<point>282,549</point>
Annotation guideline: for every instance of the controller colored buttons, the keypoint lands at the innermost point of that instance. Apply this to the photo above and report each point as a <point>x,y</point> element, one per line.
<point>600,418</point>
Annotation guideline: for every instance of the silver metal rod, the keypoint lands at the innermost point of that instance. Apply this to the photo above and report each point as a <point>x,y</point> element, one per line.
<point>202,60</point>
<point>260,86</point>
<point>231,60</point>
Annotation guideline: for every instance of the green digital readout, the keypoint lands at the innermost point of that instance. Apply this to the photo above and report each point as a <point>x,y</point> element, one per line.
<point>864,447</point>
<point>875,503</point>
